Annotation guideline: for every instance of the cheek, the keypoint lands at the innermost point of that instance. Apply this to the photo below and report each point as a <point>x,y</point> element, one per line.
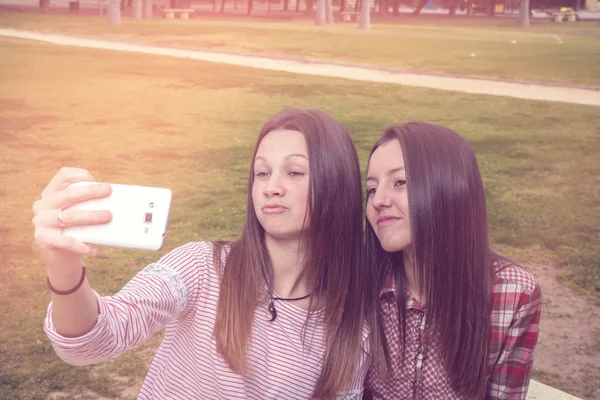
<point>402,204</point>
<point>371,217</point>
<point>255,194</point>
<point>304,193</point>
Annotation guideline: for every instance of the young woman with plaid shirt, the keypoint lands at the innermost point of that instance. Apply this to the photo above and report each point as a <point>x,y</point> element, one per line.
<point>457,321</point>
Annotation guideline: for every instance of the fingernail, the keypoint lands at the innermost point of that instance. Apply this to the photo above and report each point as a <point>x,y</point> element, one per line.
<point>95,251</point>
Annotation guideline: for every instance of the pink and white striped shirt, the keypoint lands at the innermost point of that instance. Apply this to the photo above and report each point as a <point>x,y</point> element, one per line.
<point>179,293</point>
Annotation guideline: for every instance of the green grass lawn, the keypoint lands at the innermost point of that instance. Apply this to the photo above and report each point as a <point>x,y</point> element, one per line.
<point>429,45</point>
<point>191,126</point>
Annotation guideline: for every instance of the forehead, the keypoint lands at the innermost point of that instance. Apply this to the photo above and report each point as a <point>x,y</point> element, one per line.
<point>387,156</point>
<point>282,142</point>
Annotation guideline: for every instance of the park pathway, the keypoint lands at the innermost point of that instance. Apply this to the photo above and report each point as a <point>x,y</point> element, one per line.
<point>458,84</point>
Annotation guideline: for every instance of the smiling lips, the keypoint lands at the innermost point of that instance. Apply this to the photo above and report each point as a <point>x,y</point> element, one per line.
<point>387,220</point>
<point>273,208</point>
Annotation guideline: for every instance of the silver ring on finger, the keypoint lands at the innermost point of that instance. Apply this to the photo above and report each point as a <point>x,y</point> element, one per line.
<point>59,219</point>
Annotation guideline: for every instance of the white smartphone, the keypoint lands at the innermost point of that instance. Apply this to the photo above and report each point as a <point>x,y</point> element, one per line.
<point>140,216</point>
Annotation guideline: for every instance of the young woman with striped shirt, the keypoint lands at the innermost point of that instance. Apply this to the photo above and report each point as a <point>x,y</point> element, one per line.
<point>457,321</point>
<point>278,314</point>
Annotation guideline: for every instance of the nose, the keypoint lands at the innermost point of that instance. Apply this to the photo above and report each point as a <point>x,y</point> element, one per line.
<point>273,186</point>
<point>381,198</point>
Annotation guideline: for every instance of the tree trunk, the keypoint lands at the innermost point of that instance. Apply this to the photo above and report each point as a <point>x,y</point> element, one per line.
<point>329,11</point>
<point>147,10</point>
<point>383,7</point>
<point>250,5</point>
<point>286,4</point>
<point>113,15</point>
<point>309,7</point>
<point>320,13</point>
<point>419,7</point>
<point>44,5</point>
<point>524,13</point>
<point>365,15</point>
<point>492,7</point>
<point>137,9</point>
<point>222,6</point>
<point>342,5</point>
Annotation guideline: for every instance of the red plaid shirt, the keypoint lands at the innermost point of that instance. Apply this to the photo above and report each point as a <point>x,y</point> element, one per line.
<point>515,317</point>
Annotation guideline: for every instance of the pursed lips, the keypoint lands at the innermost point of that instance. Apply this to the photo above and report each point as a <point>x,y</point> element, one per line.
<point>273,208</point>
<point>387,219</point>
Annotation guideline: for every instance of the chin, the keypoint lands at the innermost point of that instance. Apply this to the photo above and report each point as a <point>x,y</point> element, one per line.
<point>390,248</point>
<point>393,246</point>
<point>282,234</point>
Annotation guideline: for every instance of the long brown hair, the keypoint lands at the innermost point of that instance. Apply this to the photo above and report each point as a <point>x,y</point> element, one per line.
<point>450,245</point>
<point>333,267</point>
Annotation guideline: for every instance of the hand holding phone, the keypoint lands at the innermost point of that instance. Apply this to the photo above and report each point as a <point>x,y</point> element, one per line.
<point>139,217</point>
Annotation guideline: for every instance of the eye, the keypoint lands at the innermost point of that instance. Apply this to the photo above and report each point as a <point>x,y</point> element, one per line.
<point>400,182</point>
<point>371,191</point>
<point>295,174</point>
<point>262,174</point>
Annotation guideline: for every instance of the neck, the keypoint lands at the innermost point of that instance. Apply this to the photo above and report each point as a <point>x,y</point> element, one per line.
<point>287,258</point>
<point>412,285</point>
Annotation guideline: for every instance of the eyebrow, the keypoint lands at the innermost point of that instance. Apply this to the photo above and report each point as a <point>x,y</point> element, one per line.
<point>286,158</point>
<point>390,172</point>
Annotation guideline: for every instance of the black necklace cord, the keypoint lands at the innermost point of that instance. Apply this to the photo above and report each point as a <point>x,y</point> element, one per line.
<point>272,309</point>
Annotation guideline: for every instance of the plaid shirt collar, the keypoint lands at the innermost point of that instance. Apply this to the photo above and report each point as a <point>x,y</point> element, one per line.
<point>389,286</point>
<point>389,289</point>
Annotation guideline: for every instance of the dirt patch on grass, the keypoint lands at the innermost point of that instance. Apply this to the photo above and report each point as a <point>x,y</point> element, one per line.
<point>568,350</point>
<point>13,104</point>
<point>13,124</point>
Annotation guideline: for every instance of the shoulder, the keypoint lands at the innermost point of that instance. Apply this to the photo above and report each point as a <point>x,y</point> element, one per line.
<point>195,254</point>
<point>514,290</point>
<point>189,270</point>
<point>192,249</point>
<point>512,276</point>
<point>189,262</point>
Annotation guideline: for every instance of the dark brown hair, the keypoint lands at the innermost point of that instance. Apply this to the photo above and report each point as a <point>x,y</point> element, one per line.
<point>333,267</point>
<point>451,252</point>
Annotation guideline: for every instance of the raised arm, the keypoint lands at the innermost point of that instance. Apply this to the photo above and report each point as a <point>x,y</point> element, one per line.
<point>74,313</point>
<point>83,326</point>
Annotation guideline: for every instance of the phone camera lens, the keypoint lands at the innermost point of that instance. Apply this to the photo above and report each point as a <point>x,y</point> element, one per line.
<point>148,217</point>
<point>151,205</point>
